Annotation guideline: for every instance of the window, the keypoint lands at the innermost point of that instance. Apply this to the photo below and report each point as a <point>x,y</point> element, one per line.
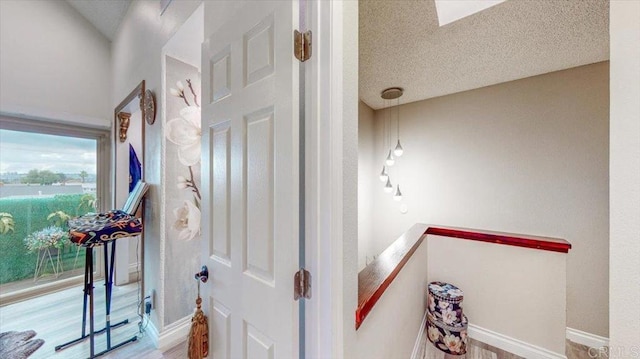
<point>48,173</point>
<point>454,10</point>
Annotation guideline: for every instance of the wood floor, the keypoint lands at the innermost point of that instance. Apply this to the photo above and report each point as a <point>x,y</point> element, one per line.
<point>57,319</point>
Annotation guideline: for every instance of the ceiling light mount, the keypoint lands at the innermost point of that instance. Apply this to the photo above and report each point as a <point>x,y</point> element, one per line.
<point>392,93</point>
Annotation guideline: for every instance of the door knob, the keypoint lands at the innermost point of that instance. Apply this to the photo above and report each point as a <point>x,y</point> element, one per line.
<point>203,275</point>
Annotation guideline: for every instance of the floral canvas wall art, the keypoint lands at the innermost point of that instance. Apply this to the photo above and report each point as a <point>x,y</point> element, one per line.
<point>182,186</point>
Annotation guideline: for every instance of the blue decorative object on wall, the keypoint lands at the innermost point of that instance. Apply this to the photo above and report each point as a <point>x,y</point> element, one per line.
<point>135,168</point>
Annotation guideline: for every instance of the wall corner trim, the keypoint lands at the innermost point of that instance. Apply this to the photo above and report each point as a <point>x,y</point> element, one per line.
<point>511,345</point>
<point>420,337</point>
<point>172,335</point>
<point>588,339</point>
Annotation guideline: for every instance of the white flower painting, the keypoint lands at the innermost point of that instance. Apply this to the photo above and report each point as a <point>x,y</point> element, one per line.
<point>187,221</point>
<point>185,132</point>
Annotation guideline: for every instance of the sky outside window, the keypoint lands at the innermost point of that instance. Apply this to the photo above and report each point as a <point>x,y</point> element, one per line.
<point>23,151</point>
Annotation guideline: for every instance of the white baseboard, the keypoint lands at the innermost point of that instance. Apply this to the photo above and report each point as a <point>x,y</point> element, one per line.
<point>588,339</point>
<point>511,345</point>
<point>519,347</point>
<point>416,346</point>
<point>133,272</point>
<point>172,335</point>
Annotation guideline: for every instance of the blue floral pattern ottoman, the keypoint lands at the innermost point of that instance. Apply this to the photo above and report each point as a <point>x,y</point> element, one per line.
<point>446,323</point>
<point>451,339</point>
<point>445,302</point>
<point>95,229</point>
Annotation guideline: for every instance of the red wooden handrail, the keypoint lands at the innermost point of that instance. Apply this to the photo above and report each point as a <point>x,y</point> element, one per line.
<point>374,279</point>
<point>510,239</point>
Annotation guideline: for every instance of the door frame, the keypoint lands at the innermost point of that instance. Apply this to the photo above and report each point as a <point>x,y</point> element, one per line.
<point>331,179</point>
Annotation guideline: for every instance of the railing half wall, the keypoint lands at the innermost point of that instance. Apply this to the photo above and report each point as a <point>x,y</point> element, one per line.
<point>517,288</point>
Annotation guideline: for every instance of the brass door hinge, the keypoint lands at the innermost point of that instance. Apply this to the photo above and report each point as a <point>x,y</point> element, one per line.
<point>302,284</point>
<point>302,45</point>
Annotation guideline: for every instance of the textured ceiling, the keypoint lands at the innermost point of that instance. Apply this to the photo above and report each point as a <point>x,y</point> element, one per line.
<point>105,15</point>
<point>402,45</point>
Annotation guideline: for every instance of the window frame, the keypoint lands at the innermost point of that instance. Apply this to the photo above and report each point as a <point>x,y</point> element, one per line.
<point>103,186</point>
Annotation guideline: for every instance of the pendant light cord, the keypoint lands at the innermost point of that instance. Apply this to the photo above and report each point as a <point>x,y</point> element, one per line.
<point>384,128</point>
<point>388,139</point>
<point>398,117</point>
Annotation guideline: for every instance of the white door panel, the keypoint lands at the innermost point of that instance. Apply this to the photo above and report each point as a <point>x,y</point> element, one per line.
<point>250,182</point>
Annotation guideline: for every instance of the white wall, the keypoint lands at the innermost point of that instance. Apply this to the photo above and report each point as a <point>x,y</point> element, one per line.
<point>349,215</point>
<point>53,64</point>
<point>137,56</point>
<point>366,166</point>
<point>528,156</point>
<point>624,157</point>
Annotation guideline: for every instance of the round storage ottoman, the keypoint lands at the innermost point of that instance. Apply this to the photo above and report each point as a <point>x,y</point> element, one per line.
<point>445,302</point>
<point>451,339</point>
<point>446,324</point>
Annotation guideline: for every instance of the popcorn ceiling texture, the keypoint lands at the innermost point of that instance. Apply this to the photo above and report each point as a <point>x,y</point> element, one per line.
<point>402,45</point>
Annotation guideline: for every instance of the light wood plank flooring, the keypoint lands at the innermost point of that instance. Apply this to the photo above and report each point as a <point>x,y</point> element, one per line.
<point>57,318</point>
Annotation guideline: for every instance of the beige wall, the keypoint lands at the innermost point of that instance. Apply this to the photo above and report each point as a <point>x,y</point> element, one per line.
<point>528,156</point>
<point>624,284</point>
<point>53,64</point>
<point>366,166</point>
<point>391,328</point>
<point>518,292</point>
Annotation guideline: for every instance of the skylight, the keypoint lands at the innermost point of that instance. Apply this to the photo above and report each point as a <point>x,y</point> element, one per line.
<point>454,10</point>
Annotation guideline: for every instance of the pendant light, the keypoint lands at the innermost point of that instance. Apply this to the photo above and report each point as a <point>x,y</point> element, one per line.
<point>384,176</point>
<point>398,195</point>
<point>387,95</point>
<point>393,93</point>
<point>390,161</point>
<point>398,151</point>
<point>388,188</point>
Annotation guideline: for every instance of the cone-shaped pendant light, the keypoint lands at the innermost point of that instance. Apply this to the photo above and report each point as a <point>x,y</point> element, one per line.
<point>388,188</point>
<point>390,161</point>
<point>398,195</point>
<point>398,151</point>
<point>384,176</point>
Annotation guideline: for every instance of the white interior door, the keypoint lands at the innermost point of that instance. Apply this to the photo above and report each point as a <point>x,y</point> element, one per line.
<point>250,182</point>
